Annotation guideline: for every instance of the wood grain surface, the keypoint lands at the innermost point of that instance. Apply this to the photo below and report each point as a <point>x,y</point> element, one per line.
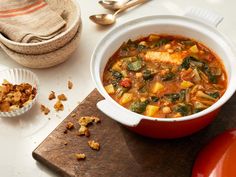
<point>123,153</point>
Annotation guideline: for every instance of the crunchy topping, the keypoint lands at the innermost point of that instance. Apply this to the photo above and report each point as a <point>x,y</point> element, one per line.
<point>62,97</point>
<point>84,131</point>
<point>44,109</point>
<point>94,145</point>
<point>59,106</point>
<point>15,96</point>
<point>69,125</point>
<point>96,119</point>
<point>52,95</point>
<point>80,156</point>
<point>84,121</point>
<point>70,85</point>
<point>73,115</point>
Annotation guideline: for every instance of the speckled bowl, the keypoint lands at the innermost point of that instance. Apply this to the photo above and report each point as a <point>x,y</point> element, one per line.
<point>70,12</point>
<point>18,76</point>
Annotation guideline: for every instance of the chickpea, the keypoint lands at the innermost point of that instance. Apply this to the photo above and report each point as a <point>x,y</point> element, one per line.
<point>170,50</point>
<point>166,110</point>
<point>167,46</point>
<point>138,75</point>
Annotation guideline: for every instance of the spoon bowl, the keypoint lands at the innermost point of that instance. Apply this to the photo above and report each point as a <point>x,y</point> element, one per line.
<point>103,19</point>
<point>108,19</point>
<point>113,4</point>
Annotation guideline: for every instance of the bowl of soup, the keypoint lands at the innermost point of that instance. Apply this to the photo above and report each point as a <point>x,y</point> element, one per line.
<point>165,76</point>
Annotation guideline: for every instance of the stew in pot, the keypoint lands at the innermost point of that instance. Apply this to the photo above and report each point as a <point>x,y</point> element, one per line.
<point>165,76</point>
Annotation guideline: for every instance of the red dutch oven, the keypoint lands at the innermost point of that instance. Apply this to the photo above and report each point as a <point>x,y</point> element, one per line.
<point>197,24</point>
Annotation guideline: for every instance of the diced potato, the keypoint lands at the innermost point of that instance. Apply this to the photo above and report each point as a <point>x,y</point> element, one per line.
<point>164,57</point>
<point>151,110</point>
<point>157,87</point>
<point>126,97</point>
<point>124,73</point>
<point>142,99</point>
<point>153,37</point>
<point>110,89</point>
<point>194,49</point>
<point>186,84</point>
<point>117,66</point>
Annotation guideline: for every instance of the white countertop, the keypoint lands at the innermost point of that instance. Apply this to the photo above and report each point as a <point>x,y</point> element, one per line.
<point>21,135</point>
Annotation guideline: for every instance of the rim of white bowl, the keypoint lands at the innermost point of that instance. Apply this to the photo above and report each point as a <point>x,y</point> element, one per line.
<point>231,88</point>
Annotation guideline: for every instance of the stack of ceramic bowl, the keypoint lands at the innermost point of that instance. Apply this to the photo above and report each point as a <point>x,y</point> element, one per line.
<point>54,51</point>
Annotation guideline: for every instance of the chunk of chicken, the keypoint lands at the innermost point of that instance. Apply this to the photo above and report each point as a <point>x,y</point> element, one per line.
<point>164,57</point>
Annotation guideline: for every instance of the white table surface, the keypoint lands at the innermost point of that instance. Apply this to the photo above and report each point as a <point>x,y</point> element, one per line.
<point>21,135</point>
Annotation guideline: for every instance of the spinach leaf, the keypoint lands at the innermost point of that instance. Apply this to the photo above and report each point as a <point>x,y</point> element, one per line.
<point>186,62</point>
<point>183,109</point>
<point>212,78</point>
<point>214,95</point>
<point>169,76</point>
<point>161,42</point>
<point>135,66</point>
<point>147,74</point>
<point>132,44</point>
<point>120,91</point>
<point>196,110</point>
<point>143,89</point>
<point>188,42</point>
<point>154,99</point>
<point>141,47</point>
<point>173,97</point>
<point>182,95</point>
<point>117,75</point>
<point>138,106</point>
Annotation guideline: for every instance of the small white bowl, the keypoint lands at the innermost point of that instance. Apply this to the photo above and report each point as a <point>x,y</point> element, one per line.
<point>18,76</point>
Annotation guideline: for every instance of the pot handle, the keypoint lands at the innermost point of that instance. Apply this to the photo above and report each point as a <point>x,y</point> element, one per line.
<point>118,114</point>
<point>207,16</point>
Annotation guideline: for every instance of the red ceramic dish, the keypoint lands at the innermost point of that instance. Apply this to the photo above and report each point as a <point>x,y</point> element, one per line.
<point>218,158</point>
<point>204,31</point>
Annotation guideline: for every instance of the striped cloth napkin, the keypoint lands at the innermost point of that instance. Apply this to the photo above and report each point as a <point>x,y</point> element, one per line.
<point>29,21</point>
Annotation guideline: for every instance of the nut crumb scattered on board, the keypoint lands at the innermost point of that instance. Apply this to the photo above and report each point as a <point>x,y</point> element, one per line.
<point>96,120</point>
<point>52,95</point>
<point>65,143</point>
<point>70,85</point>
<point>59,106</point>
<point>62,97</point>
<point>69,125</point>
<point>84,131</point>
<point>73,115</point>
<point>94,145</point>
<point>80,156</point>
<point>86,120</point>
<point>44,109</point>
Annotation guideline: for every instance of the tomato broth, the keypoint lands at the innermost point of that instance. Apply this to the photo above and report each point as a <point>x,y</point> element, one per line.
<point>165,76</point>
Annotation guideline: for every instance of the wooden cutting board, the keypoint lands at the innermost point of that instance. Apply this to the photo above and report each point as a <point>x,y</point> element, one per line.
<point>123,153</point>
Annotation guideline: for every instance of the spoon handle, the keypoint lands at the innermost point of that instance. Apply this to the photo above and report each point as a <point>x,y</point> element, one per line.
<point>130,4</point>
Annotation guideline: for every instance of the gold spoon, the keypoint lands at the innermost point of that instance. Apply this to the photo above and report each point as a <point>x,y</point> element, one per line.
<point>108,19</point>
<point>113,4</point>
